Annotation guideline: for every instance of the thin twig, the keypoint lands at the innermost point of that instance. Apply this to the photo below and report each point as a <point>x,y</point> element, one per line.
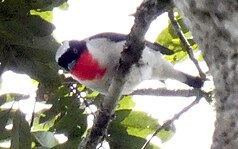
<point>169,122</point>
<point>78,96</point>
<point>88,106</point>
<point>184,41</point>
<point>179,92</point>
<point>33,113</point>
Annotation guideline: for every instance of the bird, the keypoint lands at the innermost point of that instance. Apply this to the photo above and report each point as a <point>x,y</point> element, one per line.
<point>93,62</point>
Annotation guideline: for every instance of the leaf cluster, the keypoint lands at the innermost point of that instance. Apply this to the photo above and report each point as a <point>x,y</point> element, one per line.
<point>26,43</point>
<point>170,39</point>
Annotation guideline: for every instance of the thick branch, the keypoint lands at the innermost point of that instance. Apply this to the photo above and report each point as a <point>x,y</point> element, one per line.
<point>214,27</point>
<point>145,14</point>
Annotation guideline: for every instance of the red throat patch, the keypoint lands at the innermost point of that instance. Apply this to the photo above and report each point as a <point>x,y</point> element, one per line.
<point>87,68</point>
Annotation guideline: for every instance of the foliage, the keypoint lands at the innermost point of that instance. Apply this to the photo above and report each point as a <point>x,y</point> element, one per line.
<point>169,39</point>
<point>27,46</point>
<point>25,38</point>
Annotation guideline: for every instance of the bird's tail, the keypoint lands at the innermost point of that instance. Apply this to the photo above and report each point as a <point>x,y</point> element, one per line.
<point>163,70</point>
<point>171,73</point>
<point>192,81</point>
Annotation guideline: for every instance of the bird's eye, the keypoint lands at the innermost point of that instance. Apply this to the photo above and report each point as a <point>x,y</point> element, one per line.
<point>75,51</point>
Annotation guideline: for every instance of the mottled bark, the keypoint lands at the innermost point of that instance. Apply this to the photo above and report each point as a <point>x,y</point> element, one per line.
<point>214,26</point>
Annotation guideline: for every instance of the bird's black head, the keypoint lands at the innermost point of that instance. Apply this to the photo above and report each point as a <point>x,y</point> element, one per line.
<point>68,53</point>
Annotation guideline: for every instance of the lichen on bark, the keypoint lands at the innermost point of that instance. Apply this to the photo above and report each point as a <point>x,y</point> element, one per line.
<point>214,27</point>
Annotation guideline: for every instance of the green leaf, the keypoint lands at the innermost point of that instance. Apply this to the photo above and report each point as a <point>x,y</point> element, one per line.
<point>73,123</point>
<point>129,127</point>
<point>182,25</point>
<point>178,57</point>
<point>64,6</point>
<point>52,113</point>
<point>46,139</point>
<point>126,103</point>
<point>139,123</point>
<point>46,15</point>
<point>200,57</point>
<point>39,64</point>
<point>41,147</point>
<point>3,98</point>
<point>33,54</point>
<point>81,88</point>
<point>121,140</point>
<point>60,101</point>
<point>41,72</point>
<point>38,26</point>
<point>21,136</point>
<point>91,94</point>
<point>45,5</point>
<point>165,38</point>
<point>4,115</point>
<point>13,30</point>
<point>5,135</point>
<point>180,21</point>
<point>43,126</point>
<point>28,46</point>
<point>168,38</point>
<point>70,144</point>
<point>13,8</point>
<point>31,32</point>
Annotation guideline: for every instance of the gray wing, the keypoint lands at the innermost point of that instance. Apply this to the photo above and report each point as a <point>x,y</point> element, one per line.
<point>117,37</point>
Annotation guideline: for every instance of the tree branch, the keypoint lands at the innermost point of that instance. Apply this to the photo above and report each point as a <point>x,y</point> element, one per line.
<point>169,122</point>
<point>184,41</point>
<point>180,92</point>
<point>215,31</point>
<point>145,14</point>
